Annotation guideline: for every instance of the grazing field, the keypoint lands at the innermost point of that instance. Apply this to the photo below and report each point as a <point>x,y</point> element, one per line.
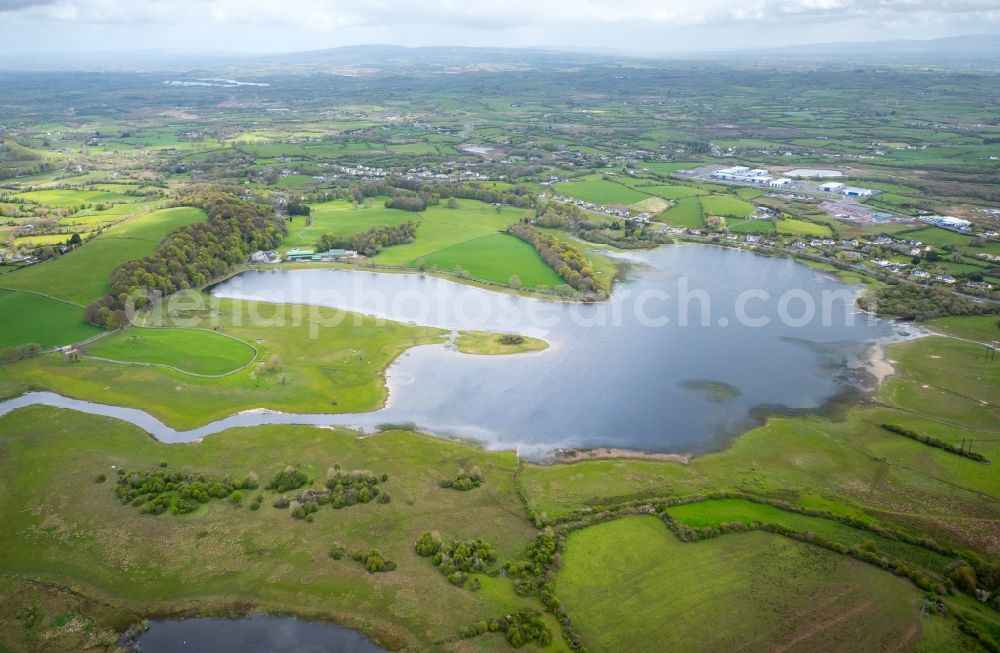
<point>687,212</point>
<point>342,218</point>
<point>714,513</point>
<point>330,362</point>
<point>29,318</point>
<point>671,192</point>
<point>441,227</point>
<point>723,205</point>
<point>750,226</point>
<point>630,585</point>
<point>596,189</point>
<point>794,227</point>
<point>71,197</point>
<point>496,257</point>
<point>226,554</point>
<point>189,350</point>
<point>84,275</point>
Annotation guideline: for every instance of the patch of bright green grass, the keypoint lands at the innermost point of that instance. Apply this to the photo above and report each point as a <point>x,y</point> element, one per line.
<point>29,318</point>
<point>596,189</point>
<point>496,257</point>
<point>84,274</point>
<point>189,350</point>
<point>630,585</point>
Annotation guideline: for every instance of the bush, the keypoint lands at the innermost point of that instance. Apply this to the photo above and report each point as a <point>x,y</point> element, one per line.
<point>289,479</point>
<point>466,480</point>
<point>374,561</point>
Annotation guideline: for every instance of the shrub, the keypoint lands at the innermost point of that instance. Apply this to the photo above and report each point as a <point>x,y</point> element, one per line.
<point>289,479</point>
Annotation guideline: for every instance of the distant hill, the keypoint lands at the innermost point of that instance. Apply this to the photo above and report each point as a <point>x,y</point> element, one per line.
<point>360,60</point>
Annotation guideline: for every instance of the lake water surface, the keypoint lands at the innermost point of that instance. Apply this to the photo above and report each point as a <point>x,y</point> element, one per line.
<point>693,347</point>
<point>625,373</point>
<point>253,634</point>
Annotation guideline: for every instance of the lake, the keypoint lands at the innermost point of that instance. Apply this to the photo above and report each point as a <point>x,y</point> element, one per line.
<point>696,345</point>
<point>257,633</point>
<point>631,372</point>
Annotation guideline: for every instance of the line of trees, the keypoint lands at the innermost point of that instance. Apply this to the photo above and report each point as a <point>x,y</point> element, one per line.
<point>192,255</point>
<point>568,262</point>
<point>935,442</point>
<point>372,241</point>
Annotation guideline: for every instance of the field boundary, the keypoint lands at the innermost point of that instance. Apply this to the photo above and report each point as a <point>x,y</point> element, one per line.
<point>256,353</point>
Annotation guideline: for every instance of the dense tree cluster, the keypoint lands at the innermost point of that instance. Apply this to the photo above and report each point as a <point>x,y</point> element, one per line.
<point>177,492</point>
<point>343,489</point>
<point>358,486</point>
<point>519,628</point>
<point>407,201</point>
<point>372,241</point>
<point>193,255</point>
<point>287,479</point>
<point>912,302</point>
<point>541,553</point>
<point>569,263</point>
<point>466,480</point>
<point>456,559</point>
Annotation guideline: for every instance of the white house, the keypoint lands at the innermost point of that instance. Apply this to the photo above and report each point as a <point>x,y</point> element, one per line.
<point>832,187</point>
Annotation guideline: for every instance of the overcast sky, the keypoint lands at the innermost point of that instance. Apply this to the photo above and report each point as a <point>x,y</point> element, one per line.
<point>647,26</point>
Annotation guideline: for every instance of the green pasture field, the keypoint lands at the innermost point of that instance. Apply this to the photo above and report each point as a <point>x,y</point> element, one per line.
<point>726,206</point>
<point>189,350</point>
<point>324,361</point>
<point>670,192</point>
<point>596,189</point>
<point>716,512</point>
<point>342,218</point>
<point>795,227</point>
<point>630,585</point>
<point>441,227</point>
<point>687,212</point>
<point>70,197</point>
<point>84,274</point>
<point>983,328</point>
<point>750,226</point>
<point>227,554</point>
<point>30,318</point>
<point>496,257</point>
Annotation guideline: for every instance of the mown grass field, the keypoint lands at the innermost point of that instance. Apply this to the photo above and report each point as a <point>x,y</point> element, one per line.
<point>630,585</point>
<point>496,257</point>
<point>441,227</point>
<point>596,189</point>
<point>189,350</point>
<point>29,318</point>
<point>73,197</point>
<point>327,361</point>
<point>724,205</point>
<point>794,227</point>
<point>84,275</point>
<point>77,532</point>
<point>342,218</point>
<point>687,212</point>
